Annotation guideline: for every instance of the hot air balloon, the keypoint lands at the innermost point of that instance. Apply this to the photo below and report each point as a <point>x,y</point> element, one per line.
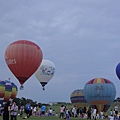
<point>5,91</point>
<point>23,58</point>
<point>14,91</point>
<point>45,72</point>
<point>118,71</point>
<point>77,98</point>
<point>100,93</point>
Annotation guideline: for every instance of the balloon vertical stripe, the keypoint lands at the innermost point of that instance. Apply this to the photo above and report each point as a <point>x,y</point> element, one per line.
<point>23,58</point>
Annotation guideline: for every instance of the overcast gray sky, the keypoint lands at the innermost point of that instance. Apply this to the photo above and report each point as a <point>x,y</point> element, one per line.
<point>81,37</point>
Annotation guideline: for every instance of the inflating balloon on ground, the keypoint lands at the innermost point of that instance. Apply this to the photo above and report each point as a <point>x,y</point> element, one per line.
<point>77,98</point>
<point>100,93</point>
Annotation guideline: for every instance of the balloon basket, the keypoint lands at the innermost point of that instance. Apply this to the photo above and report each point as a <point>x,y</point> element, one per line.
<point>21,87</point>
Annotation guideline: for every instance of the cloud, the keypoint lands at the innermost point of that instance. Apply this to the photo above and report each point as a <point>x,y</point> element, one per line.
<point>80,37</point>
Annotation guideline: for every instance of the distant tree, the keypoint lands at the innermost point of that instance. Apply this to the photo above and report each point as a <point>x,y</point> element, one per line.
<point>39,104</point>
<point>23,101</point>
<point>17,100</point>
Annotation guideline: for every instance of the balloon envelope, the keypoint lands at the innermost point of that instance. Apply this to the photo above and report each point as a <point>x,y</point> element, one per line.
<point>45,72</point>
<point>23,58</point>
<point>5,90</point>
<point>118,70</point>
<point>100,93</point>
<point>14,91</point>
<point>77,98</point>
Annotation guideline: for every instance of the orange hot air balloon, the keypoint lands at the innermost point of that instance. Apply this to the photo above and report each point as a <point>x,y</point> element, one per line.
<point>23,58</point>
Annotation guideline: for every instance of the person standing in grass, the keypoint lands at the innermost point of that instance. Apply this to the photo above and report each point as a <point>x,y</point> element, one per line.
<point>50,112</point>
<point>43,109</point>
<point>6,111</point>
<point>74,111</point>
<point>21,111</point>
<point>116,109</point>
<point>94,113</point>
<point>62,111</point>
<point>28,110</point>
<point>89,111</point>
<point>67,114</point>
<point>14,109</point>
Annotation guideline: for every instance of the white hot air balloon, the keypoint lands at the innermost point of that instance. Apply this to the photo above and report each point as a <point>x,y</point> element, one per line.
<point>45,72</point>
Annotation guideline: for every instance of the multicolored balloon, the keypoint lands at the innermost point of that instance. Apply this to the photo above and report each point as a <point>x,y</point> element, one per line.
<point>45,72</point>
<point>8,91</point>
<point>14,91</point>
<point>100,93</point>
<point>5,91</point>
<point>77,98</point>
<point>23,58</point>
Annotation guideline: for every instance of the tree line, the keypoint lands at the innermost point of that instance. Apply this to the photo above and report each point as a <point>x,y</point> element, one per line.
<point>23,101</point>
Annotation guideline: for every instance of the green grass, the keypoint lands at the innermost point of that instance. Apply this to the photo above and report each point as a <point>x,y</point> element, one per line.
<point>57,110</point>
<point>45,118</point>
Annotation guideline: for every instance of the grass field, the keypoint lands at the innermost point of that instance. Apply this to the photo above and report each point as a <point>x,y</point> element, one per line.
<point>45,118</point>
<point>57,109</point>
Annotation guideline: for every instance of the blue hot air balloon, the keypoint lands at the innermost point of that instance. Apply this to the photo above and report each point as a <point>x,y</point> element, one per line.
<point>100,93</point>
<point>118,70</point>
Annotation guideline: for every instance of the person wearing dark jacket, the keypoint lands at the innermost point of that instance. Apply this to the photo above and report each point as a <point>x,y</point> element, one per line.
<point>89,111</point>
<point>6,111</point>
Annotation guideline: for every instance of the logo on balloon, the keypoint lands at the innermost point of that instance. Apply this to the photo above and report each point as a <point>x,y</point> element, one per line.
<point>47,70</point>
<point>99,89</point>
<point>10,61</point>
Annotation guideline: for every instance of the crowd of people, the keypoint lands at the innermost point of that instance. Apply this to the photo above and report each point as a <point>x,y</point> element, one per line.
<point>11,112</point>
<point>88,113</point>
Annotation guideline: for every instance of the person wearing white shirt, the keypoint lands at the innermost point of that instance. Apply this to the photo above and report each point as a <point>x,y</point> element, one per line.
<point>111,117</point>
<point>116,109</point>
<point>50,112</point>
<point>34,111</point>
<point>94,113</point>
<point>14,110</point>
